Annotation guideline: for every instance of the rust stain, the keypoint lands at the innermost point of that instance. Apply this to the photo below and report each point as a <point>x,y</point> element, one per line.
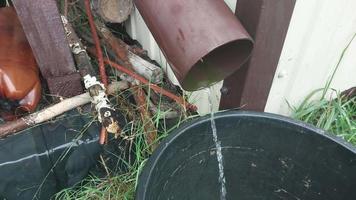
<point>181,34</point>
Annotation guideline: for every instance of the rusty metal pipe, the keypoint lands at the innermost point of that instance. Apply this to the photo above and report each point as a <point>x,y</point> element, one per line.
<point>202,39</point>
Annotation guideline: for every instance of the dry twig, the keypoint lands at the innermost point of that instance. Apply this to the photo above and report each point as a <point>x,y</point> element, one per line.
<point>122,53</point>
<point>132,61</point>
<point>149,127</point>
<point>55,110</point>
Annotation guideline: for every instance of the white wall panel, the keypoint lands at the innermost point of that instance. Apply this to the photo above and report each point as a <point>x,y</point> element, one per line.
<point>318,33</point>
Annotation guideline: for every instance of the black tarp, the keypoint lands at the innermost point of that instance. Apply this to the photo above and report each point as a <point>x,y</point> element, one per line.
<point>43,160</point>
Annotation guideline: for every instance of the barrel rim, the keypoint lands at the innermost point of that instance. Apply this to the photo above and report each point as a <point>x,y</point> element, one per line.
<point>152,161</point>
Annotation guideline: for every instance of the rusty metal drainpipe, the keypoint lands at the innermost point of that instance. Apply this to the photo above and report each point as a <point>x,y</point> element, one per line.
<point>203,40</point>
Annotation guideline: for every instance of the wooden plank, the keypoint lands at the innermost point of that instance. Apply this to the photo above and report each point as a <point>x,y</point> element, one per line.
<point>267,21</point>
<point>44,30</point>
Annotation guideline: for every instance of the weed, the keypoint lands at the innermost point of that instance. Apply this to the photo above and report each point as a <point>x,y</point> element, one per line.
<point>337,115</point>
<point>121,186</point>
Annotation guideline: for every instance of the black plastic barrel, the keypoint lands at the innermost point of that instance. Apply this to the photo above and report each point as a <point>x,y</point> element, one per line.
<point>265,156</point>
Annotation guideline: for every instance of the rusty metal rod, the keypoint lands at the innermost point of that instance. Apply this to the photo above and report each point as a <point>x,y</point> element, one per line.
<point>156,88</point>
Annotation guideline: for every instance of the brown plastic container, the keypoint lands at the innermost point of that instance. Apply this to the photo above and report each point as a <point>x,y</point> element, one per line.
<point>19,73</point>
<point>203,40</point>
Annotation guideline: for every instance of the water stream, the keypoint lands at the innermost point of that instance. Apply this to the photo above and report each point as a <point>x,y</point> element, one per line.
<point>218,148</point>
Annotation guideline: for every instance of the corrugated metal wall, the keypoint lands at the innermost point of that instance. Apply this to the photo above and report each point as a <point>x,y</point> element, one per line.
<point>319,31</point>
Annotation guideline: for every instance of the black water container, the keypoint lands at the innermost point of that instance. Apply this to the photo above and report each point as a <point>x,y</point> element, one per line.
<point>265,156</point>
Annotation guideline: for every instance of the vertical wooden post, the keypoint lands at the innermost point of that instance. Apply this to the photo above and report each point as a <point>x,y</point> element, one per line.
<point>43,27</point>
<point>267,21</point>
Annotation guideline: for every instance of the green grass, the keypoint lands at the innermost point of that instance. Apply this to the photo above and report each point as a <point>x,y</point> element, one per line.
<point>115,185</point>
<point>337,116</point>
